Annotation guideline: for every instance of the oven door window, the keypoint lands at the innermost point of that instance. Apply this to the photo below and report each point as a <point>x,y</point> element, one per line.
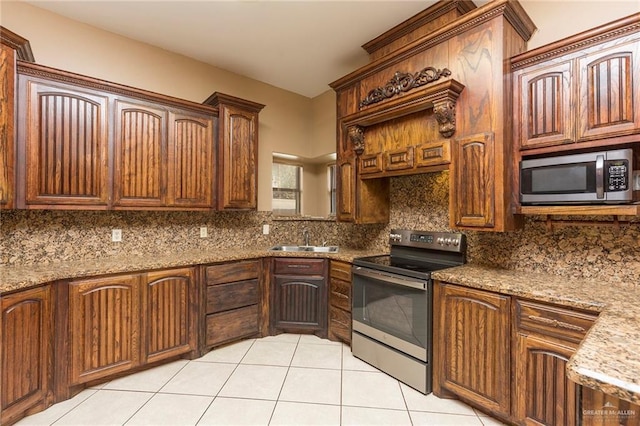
<point>398,310</point>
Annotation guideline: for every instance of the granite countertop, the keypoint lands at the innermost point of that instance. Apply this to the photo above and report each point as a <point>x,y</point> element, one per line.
<point>608,359</point>
<point>13,278</point>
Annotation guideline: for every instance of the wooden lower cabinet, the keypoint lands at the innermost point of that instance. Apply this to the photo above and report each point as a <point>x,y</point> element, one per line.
<point>168,326</point>
<point>117,323</point>
<point>232,302</point>
<point>599,409</point>
<point>340,301</point>
<point>104,327</point>
<point>299,296</point>
<point>25,352</point>
<point>472,355</point>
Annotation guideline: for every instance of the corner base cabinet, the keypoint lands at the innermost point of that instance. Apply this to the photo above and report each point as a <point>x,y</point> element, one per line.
<point>299,296</point>
<point>25,353</point>
<point>340,301</point>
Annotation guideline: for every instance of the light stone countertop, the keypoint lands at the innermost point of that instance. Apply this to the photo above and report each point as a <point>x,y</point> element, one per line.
<point>608,359</point>
<point>14,278</point>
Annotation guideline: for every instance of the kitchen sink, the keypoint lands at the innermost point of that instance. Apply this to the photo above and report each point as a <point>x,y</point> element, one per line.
<point>317,249</point>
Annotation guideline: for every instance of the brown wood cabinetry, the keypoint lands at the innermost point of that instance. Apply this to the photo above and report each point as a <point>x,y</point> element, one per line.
<point>438,102</point>
<point>472,356</point>
<point>545,337</point>
<point>104,327</point>
<point>91,144</point>
<point>600,409</point>
<point>237,151</point>
<point>580,89</point>
<point>117,323</point>
<point>26,352</point>
<point>340,301</point>
<point>7,129</point>
<point>232,302</point>
<point>299,296</point>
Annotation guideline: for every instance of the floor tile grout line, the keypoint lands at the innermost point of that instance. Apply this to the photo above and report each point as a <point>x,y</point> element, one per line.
<point>284,381</point>
<point>73,408</point>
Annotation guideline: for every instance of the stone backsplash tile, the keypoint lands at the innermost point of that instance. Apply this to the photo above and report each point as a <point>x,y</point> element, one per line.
<point>417,202</point>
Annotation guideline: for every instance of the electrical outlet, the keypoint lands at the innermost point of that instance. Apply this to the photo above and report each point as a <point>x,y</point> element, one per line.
<point>204,233</point>
<point>636,180</point>
<point>116,235</point>
<point>265,229</point>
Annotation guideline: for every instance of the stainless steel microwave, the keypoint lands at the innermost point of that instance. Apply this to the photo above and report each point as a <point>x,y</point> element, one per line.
<point>604,177</point>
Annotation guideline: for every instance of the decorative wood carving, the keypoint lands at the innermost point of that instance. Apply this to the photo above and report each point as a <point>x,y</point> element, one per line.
<point>445,113</point>
<point>356,136</point>
<point>403,82</point>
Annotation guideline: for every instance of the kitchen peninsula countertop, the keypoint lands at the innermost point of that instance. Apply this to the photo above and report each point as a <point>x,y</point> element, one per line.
<point>13,278</point>
<point>608,359</point>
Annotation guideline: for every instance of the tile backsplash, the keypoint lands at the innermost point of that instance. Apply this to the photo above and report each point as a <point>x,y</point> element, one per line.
<point>418,202</point>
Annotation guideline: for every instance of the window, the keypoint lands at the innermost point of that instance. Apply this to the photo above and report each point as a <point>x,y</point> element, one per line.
<point>332,189</point>
<point>287,189</point>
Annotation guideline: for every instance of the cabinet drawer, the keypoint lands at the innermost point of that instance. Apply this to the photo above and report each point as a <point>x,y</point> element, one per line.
<point>231,325</point>
<point>339,316</point>
<point>371,163</point>
<point>223,297</point>
<point>230,272</point>
<point>340,330</point>
<point>298,266</point>
<point>340,300</point>
<point>553,320</point>
<point>340,270</point>
<point>399,159</point>
<point>433,153</point>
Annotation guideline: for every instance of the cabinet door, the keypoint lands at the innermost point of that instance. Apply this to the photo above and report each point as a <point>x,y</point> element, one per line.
<point>191,163</point>
<point>609,88</point>
<point>25,351</point>
<point>545,106</point>
<point>300,303</point>
<point>471,346</point>
<point>140,144</point>
<point>7,116</point>
<point>345,188</point>
<point>473,180</point>
<point>238,151</point>
<point>544,395</point>
<point>339,301</point>
<point>104,326</point>
<point>166,327</point>
<point>64,128</point>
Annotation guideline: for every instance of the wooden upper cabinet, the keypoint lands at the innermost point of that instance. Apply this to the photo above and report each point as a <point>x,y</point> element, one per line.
<point>7,130</point>
<point>191,160</point>
<point>237,151</point>
<point>92,144</point>
<point>472,182</point>
<point>167,319</point>
<point>543,97</point>
<point>345,188</point>
<point>580,90</point>
<point>65,150</point>
<point>104,326</point>
<point>25,351</point>
<point>140,178</point>
<point>609,91</point>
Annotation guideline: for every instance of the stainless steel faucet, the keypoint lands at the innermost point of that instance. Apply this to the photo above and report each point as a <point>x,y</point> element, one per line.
<point>305,236</point>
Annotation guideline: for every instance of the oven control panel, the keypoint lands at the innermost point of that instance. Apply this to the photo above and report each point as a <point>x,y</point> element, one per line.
<point>447,241</point>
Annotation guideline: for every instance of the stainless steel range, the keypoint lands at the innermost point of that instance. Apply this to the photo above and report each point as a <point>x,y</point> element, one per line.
<point>392,303</point>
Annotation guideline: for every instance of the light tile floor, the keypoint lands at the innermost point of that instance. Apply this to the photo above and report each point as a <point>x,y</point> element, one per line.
<point>288,379</point>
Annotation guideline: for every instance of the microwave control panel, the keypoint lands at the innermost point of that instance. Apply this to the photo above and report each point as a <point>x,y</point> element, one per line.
<point>617,175</point>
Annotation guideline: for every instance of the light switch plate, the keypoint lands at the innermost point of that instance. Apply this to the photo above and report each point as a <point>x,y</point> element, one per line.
<point>204,233</point>
<point>265,229</point>
<point>116,235</point>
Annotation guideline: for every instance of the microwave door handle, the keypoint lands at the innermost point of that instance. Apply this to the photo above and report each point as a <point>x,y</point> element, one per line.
<point>600,176</point>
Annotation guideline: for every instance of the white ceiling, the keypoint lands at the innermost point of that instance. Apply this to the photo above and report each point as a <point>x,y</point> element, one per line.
<point>300,46</point>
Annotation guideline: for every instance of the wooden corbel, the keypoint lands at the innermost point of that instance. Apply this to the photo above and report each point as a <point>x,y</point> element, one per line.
<point>356,136</point>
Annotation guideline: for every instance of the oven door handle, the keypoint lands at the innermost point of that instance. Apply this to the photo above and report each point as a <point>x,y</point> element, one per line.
<point>393,279</point>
